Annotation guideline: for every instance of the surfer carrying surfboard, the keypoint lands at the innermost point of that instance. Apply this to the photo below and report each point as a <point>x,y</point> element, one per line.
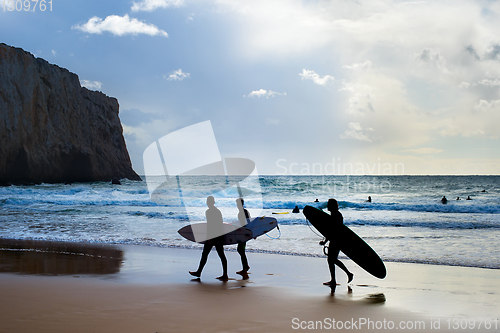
<point>215,238</point>
<point>334,249</point>
<point>243,217</point>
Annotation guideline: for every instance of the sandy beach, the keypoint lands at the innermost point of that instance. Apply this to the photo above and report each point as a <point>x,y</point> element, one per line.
<point>65,287</point>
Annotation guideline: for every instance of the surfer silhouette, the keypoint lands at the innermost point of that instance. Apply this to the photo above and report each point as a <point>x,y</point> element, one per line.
<point>333,249</point>
<point>296,210</point>
<point>214,238</point>
<point>243,215</point>
<point>369,199</point>
<point>444,200</point>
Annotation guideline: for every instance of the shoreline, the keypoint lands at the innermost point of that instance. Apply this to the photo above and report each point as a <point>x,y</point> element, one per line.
<point>232,248</point>
<point>153,291</point>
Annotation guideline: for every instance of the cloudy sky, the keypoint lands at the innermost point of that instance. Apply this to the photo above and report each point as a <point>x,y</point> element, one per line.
<point>386,86</point>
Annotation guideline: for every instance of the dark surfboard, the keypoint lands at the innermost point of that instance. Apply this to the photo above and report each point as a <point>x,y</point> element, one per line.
<point>197,232</point>
<point>349,243</point>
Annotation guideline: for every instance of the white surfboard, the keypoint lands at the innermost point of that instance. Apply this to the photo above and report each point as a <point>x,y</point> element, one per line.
<point>232,234</point>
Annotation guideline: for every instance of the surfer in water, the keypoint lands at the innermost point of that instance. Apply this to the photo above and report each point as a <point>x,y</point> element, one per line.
<point>243,215</point>
<point>214,238</point>
<point>333,249</point>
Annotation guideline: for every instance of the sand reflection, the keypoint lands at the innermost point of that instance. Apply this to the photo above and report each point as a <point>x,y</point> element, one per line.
<point>58,258</point>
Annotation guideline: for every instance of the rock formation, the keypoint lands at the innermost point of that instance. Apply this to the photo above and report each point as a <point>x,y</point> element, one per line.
<point>52,129</point>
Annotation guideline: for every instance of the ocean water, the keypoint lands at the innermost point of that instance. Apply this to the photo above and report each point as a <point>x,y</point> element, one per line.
<point>405,222</point>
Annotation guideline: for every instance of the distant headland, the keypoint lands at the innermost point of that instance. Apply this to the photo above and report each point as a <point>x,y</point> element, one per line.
<point>53,130</point>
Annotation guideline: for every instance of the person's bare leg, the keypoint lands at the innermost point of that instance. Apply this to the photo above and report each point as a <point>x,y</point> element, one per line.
<point>331,265</point>
<point>203,260</point>
<point>350,276</point>
<point>244,260</point>
<point>222,256</point>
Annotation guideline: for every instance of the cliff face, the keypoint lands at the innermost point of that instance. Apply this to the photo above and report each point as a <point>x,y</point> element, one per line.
<point>52,129</point>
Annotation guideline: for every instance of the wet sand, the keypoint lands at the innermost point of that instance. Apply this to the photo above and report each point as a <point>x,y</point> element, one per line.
<point>63,287</point>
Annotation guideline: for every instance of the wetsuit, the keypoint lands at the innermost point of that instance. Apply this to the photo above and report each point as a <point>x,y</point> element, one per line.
<point>334,249</point>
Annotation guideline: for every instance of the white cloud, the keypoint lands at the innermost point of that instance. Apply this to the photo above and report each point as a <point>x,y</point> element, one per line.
<point>474,119</point>
<point>177,75</point>
<point>150,5</point>
<point>409,106</point>
<point>355,132</point>
<point>119,26</point>
<point>359,66</point>
<point>352,28</point>
<point>425,151</point>
<point>362,98</point>
<point>472,51</point>
<point>485,106</point>
<point>54,53</point>
<point>264,93</point>
<point>488,82</point>
<point>433,58</point>
<point>458,129</point>
<point>493,52</point>
<point>464,85</point>
<point>380,101</point>
<point>91,85</point>
<point>315,77</point>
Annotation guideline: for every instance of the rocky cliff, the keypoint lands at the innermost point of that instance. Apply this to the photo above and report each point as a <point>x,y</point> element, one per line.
<point>52,129</point>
